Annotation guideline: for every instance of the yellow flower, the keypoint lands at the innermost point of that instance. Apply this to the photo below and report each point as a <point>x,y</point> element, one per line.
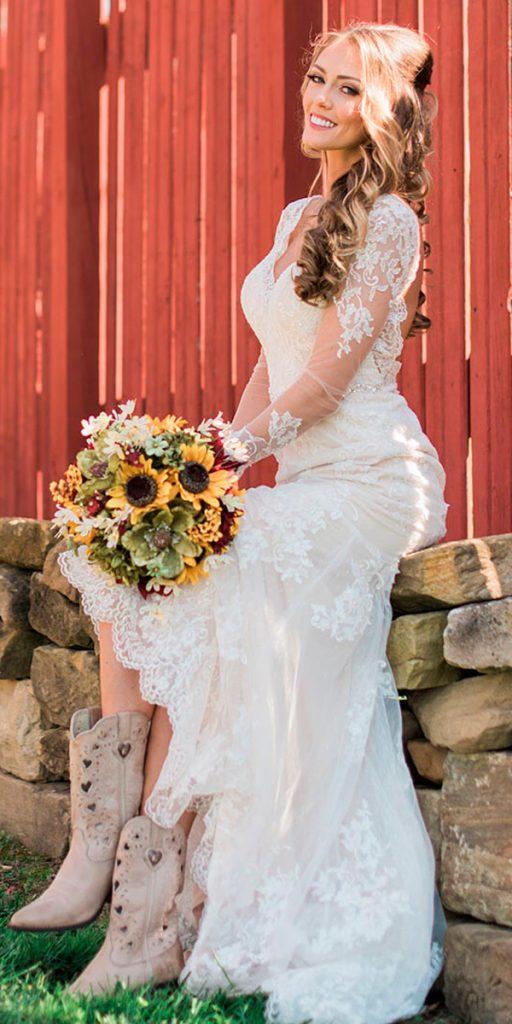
<point>142,488</point>
<point>192,572</point>
<point>170,424</point>
<point>195,481</point>
<point>64,491</point>
<point>209,529</point>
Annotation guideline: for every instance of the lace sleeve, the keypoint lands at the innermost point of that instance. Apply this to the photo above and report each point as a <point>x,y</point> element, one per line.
<point>380,272</point>
<point>255,396</point>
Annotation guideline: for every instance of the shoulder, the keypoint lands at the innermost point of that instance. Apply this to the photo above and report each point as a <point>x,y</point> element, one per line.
<point>393,216</point>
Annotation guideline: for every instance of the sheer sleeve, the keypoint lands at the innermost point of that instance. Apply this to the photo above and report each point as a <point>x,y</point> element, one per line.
<point>380,272</point>
<point>255,396</point>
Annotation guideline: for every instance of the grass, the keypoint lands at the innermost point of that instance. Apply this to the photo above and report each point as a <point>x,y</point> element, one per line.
<point>35,969</point>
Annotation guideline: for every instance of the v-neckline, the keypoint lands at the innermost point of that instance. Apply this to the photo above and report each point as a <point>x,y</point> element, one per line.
<point>275,259</point>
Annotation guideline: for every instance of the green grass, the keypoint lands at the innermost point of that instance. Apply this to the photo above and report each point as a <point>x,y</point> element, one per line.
<point>35,969</point>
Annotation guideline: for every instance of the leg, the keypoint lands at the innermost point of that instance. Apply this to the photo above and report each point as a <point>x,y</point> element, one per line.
<point>106,756</point>
<point>156,751</point>
<point>119,685</point>
<point>120,692</point>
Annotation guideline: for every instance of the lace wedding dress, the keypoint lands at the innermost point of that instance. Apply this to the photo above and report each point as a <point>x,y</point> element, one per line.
<point>310,849</point>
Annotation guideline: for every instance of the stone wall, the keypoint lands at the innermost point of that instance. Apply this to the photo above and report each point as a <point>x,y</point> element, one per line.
<point>450,647</point>
<point>48,668</point>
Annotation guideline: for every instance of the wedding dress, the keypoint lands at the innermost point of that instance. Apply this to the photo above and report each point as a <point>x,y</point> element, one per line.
<point>311,852</point>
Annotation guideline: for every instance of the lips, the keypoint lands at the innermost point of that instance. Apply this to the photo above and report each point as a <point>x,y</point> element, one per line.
<point>321,127</point>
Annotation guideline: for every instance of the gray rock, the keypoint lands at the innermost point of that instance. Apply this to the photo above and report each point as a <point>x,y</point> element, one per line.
<point>410,725</point>
<point>54,751</point>
<point>478,973</point>
<point>53,615</point>
<point>455,573</point>
<point>64,681</point>
<point>16,649</point>
<point>430,806</point>
<point>36,813</point>
<point>21,726</point>
<point>14,597</point>
<point>479,636</point>
<point>53,577</point>
<point>428,759</point>
<point>476,829</point>
<point>472,714</point>
<point>415,650</point>
<point>25,542</point>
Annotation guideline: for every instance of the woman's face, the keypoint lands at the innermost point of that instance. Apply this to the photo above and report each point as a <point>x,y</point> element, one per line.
<point>333,95</point>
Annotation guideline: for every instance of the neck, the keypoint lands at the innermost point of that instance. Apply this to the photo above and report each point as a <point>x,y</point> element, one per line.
<point>338,162</point>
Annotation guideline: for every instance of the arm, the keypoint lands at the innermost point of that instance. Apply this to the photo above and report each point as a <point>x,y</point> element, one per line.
<point>255,396</point>
<point>379,273</point>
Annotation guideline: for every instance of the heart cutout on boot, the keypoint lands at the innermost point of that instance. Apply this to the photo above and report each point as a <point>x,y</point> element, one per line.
<point>124,749</point>
<point>154,857</point>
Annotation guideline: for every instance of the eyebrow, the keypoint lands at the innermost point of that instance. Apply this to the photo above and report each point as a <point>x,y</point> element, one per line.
<point>353,77</point>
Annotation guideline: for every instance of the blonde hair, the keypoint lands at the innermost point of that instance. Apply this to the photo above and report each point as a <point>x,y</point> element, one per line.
<point>396,113</point>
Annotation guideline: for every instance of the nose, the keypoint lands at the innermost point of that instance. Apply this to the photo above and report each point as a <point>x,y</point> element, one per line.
<point>324,100</point>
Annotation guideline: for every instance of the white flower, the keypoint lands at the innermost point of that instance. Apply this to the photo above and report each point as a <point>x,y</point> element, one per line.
<point>231,501</point>
<point>111,446</point>
<point>61,517</point>
<point>126,409</point>
<point>213,421</point>
<point>95,424</point>
<point>87,524</point>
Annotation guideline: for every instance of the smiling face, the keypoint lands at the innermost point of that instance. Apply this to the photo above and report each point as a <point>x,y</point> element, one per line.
<point>332,99</point>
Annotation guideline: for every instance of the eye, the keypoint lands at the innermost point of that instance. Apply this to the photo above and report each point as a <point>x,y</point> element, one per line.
<point>352,91</point>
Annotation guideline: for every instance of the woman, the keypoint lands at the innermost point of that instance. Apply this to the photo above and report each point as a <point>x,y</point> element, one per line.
<point>274,726</point>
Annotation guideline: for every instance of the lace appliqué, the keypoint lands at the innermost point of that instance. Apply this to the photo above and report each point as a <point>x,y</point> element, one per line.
<point>249,448</point>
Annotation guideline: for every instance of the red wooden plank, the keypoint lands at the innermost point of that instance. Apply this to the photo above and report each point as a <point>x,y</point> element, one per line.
<point>11,193</point>
<point>72,73</point>
<point>215,326</point>
<point>54,407</point>
<point>265,180</point>
<point>111,80</point>
<point>25,334</point>
<point>302,23</point>
<point>159,327</point>
<point>446,370</point>
<point>491,378</point>
<point>134,49</point>
<point>361,10</point>
<point>186,205</point>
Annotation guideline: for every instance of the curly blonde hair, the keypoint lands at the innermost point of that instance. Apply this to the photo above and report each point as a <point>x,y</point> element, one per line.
<point>396,113</point>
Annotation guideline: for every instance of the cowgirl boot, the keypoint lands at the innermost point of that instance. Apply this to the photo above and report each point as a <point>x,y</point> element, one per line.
<point>106,761</point>
<point>141,944</point>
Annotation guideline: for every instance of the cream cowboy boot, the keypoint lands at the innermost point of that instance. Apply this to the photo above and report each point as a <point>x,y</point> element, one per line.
<point>141,944</point>
<point>106,769</point>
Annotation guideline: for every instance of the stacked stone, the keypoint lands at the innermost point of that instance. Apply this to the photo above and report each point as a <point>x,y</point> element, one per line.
<point>450,647</point>
<point>48,669</point>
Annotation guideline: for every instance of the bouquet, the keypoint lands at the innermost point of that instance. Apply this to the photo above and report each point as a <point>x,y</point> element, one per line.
<point>150,499</point>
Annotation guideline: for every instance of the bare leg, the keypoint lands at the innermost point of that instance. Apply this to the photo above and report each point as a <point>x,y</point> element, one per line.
<point>119,685</point>
<point>158,744</point>
<point>120,692</point>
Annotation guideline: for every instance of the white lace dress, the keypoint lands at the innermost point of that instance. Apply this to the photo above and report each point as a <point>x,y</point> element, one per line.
<point>310,846</point>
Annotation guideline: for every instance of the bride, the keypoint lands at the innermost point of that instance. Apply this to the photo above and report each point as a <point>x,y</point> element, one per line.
<point>242,795</point>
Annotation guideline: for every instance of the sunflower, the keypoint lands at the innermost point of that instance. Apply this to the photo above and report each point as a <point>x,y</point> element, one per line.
<point>142,488</point>
<point>192,572</point>
<point>195,482</point>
